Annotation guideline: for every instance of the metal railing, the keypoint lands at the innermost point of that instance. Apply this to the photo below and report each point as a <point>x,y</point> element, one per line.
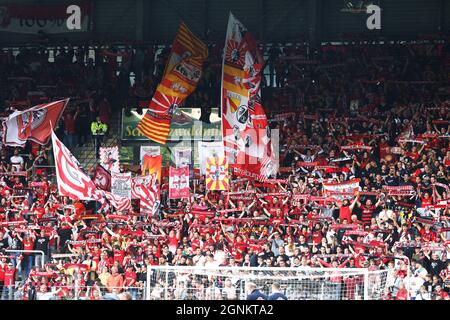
<point>74,292</point>
<point>31,251</point>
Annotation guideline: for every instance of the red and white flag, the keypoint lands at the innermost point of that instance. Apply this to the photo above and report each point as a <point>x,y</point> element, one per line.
<point>102,178</point>
<point>146,189</point>
<point>74,183</point>
<point>120,203</point>
<point>246,133</point>
<point>34,124</point>
<point>178,183</point>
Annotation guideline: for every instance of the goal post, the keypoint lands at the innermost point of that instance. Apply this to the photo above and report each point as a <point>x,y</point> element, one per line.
<point>231,283</point>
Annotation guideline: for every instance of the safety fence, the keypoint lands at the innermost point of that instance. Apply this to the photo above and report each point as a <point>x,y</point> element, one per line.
<point>73,291</point>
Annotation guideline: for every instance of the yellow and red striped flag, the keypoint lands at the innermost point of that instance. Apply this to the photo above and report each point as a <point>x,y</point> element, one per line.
<point>183,71</point>
<point>217,173</point>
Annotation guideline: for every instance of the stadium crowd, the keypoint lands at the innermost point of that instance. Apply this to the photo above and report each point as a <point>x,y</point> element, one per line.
<point>377,113</point>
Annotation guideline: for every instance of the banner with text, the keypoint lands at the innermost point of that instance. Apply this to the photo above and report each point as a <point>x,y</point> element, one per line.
<point>51,19</point>
<point>185,125</point>
<point>121,184</point>
<point>179,183</point>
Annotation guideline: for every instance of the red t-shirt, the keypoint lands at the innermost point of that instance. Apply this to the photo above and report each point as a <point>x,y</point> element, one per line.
<point>345,213</point>
<point>443,294</point>
<point>316,237</point>
<point>2,272</point>
<point>40,212</point>
<point>28,245</point>
<point>9,276</point>
<point>173,243</point>
<point>65,290</point>
<point>69,125</point>
<point>237,255</point>
<point>360,260</point>
<point>413,155</point>
<point>427,202</point>
<point>402,295</point>
<point>427,235</point>
<point>129,276</point>
<point>119,255</point>
<point>195,243</point>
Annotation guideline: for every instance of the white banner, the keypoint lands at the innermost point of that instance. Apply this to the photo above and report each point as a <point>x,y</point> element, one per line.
<point>121,184</point>
<point>209,150</point>
<point>182,157</point>
<point>51,19</point>
<point>109,158</point>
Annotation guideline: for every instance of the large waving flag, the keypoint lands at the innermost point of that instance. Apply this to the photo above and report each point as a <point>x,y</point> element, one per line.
<point>120,203</point>
<point>246,133</point>
<point>34,124</point>
<point>183,71</point>
<point>74,183</point>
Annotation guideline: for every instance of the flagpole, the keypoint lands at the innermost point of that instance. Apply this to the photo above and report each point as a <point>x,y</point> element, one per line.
<point>221,87</point>
<point>95,147</point>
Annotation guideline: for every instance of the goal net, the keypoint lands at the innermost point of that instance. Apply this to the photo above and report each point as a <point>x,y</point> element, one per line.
<point>233,283</point>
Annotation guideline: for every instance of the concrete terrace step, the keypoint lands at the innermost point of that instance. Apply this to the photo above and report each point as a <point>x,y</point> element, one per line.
<point>86,153</point>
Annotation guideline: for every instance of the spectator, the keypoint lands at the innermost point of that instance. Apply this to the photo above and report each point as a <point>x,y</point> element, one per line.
<point>98,129</point>
<point>17,161</point>
<point>82,125</point>
<point>276,293</point>
<point>104,112</point>
<point>253,292</point>
<point>41,243</point>
<point>9,283</point>
<point>115,281</point>
<point>375,124</point>
<point>69,130</point>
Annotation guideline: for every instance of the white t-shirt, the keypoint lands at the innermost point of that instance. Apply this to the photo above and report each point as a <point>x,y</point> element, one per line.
<point>416,283</point>
<point>422,272</point>
<point>230,292</point>
<point>17,162</point>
